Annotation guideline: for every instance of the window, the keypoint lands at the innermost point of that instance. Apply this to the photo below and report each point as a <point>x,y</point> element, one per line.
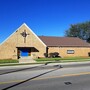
<point>70,52</point>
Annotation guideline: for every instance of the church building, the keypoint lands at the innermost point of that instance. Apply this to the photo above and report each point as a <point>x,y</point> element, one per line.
<point>24,43</point>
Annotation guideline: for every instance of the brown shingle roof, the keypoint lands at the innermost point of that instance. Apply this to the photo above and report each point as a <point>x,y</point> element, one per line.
<point>64,41</point>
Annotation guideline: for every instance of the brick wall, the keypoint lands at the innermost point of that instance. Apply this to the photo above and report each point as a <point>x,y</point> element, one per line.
<point>78,51</point>
<point>8,48</point>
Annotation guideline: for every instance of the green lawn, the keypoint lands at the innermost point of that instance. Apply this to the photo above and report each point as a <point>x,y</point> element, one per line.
<point>8,61</point>
<point>69,59</point>
<point>43,60</point>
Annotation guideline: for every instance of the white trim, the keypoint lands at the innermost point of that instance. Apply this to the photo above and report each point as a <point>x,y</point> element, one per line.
<point>11,34</point>
<point>6,39</point>
<point>29,29</point>
<point>35,35</point>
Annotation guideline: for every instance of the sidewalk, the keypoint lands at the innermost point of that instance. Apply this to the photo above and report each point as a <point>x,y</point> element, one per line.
<point>48,65</point>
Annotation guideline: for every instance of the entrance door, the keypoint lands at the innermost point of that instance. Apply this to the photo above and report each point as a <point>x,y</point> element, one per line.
<point>24,52</point>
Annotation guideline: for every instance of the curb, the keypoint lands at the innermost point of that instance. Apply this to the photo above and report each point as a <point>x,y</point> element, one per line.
<point>70,64</point>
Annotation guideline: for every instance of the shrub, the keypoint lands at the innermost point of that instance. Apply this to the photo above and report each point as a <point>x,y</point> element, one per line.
<point>55,54</point>
<point>51,55</point>
<point>46,55</point>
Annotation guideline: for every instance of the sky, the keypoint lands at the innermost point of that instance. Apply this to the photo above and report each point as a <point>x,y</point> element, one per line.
<point>44,17</point>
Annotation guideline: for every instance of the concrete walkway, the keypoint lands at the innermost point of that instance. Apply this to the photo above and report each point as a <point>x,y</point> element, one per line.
<point>48,65</point>
<point>26,60</point>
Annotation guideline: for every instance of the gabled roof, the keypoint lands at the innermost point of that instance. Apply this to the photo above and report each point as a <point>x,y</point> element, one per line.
<point>64,41</point>
<point>24,24</point>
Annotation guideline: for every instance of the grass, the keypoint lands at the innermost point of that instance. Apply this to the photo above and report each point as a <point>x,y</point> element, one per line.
<point>8,61</point>
<point>67,59</point>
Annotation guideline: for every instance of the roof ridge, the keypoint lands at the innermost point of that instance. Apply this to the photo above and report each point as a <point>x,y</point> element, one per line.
<point>64,41</point>
<point>59,37</point>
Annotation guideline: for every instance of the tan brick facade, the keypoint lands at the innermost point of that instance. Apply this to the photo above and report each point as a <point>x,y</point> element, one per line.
<point>9,48</point>
<point>78,51</point>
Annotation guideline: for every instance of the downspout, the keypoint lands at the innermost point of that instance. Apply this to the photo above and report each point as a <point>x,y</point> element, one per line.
<point>47,52</point>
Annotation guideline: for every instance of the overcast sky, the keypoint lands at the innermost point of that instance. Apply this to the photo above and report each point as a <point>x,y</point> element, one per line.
<point>44,17</point>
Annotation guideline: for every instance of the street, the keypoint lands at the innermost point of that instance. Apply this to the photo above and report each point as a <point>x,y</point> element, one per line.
<point>46,78</point>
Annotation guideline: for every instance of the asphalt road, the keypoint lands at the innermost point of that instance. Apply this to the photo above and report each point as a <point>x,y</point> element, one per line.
<point>12,69</point>
<point>56,78</point>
